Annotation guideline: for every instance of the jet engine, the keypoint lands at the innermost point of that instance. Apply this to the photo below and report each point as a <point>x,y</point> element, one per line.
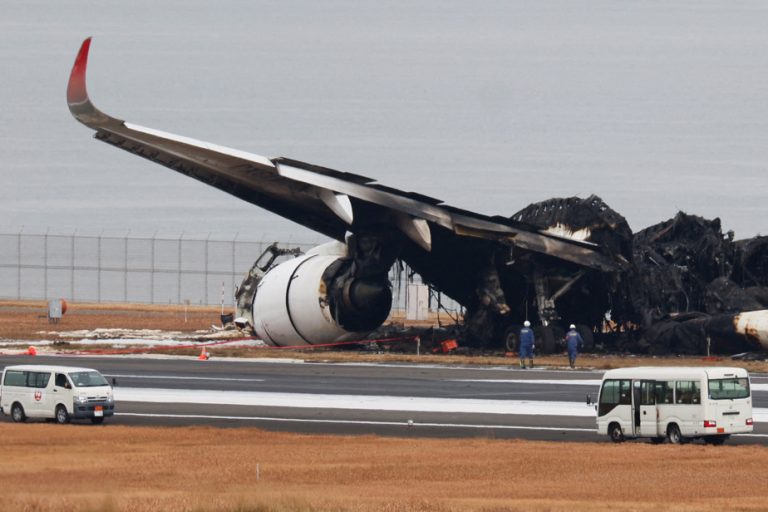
<point>319,298</point>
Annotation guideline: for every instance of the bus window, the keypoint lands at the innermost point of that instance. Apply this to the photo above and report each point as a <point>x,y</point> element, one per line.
<point>647,393</point>
<point>687,392</point>
<point>614,392</point>
<point>663,391</point>
<point>725,389</point>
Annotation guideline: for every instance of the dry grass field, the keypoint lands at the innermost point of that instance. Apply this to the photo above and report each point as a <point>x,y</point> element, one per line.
<point>47,467</point>
<point>82,467</point>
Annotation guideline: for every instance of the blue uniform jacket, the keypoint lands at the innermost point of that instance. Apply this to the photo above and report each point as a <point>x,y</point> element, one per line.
<point>574,341</point>
<point>526,338</point>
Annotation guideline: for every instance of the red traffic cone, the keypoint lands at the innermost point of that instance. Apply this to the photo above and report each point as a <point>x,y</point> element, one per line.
<point>204,356</point>
<point>31,351</point>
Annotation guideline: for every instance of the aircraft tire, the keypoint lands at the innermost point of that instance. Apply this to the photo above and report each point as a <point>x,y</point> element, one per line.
<point>587,336</point>
<point>511,338</point>
<point>547,340</point>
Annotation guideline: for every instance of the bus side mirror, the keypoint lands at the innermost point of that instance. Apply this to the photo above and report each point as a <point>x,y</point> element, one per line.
<point>589,399</point>
<point>114,382</point>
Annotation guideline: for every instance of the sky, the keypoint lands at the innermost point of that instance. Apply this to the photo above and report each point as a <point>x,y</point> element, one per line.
<point>655,106</point>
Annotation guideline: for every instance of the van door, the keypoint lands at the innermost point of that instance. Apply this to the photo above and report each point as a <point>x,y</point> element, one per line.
<point>648,412</point>
<point>39,395</point>
<point>47,399</point>
<point>62,391</point>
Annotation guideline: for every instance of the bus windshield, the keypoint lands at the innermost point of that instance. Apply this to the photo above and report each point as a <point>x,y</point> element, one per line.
<point>88,379</point>
<point>724,389</point>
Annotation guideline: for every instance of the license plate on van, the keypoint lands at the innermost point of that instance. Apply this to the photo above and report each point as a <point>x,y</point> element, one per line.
<point>98,411</point>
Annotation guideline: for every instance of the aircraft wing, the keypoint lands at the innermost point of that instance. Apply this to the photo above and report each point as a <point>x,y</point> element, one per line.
<point>328,201</point>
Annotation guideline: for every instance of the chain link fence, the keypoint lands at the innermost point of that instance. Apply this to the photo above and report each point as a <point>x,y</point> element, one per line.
<point>150,270</point>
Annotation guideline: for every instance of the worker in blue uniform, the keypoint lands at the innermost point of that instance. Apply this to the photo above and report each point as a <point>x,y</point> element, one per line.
<point>526,344</point>
<point>574,342</point>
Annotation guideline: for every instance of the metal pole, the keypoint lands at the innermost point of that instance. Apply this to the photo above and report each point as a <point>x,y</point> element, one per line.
<point>18,264</point>
<point>125,267</point>
<point>72,266</point>
<point>152,273</point>
<point>233,264</point>
<point>178,299</point>
<point>98,268</point>
<point>45,264</point>
<point>205,274</point>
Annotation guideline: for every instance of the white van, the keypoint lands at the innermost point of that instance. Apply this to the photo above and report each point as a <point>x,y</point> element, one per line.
<point>676,403</point>
<point>58,392</point>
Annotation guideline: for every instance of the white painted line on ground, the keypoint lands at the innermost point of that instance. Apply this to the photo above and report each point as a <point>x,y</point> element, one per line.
<point>368,402</point>
<point>568,382</point>
<point>351,422</point>
<point>357,402</point>
<point>175,377</point>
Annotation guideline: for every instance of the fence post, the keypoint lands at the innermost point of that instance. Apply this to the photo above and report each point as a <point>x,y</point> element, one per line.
<point>18,264</point>
<point>178,289</point>
<point>125,267</point>
<point>205,272</point>
<point>72,266</point>
<point>152,272</point>
<point>45,264</point>
<point>98,268</point>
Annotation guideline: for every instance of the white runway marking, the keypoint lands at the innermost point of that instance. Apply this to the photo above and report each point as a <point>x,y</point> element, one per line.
<point>368,402</point>
<point>228,379</point>
<point>352,422</point>
<point>358,402</point>
<point>565,382</point>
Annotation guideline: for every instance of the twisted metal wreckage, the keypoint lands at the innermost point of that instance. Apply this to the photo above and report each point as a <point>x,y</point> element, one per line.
<point>680,286</point>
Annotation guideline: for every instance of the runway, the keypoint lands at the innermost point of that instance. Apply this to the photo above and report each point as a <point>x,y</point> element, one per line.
<point>356,399</point>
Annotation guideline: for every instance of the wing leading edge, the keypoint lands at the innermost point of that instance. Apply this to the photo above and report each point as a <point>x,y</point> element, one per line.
<point>321,199</point>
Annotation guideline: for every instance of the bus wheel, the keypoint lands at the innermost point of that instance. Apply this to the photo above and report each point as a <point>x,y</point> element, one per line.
<point>673,434</point>
<point>615,433</point>
<point>715,440</point>
<point>17,413</point>
<point>62,418</point>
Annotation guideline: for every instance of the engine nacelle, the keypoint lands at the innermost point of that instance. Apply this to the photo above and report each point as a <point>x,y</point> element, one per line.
<point>311,300</point>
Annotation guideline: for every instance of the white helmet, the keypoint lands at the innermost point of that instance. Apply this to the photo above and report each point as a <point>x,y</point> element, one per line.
<point>572,326</point>
<point>527,323</point>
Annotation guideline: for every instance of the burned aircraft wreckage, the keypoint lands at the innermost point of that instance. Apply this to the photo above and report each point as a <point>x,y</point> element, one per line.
<point>680,286</point>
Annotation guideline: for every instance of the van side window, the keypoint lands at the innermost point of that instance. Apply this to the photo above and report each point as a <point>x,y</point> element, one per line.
<point>664,392</point>
<point>15,378</point>
<point>614,392</point>
<point>61,381</point>
<point>688,392</point>
<point>38,379</point>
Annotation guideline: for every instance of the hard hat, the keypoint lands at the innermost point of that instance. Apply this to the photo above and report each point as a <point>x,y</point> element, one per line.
<point>527,323</point>
<point>572,326</point>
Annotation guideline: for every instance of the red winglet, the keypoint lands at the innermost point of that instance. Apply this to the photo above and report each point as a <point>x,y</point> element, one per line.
<point>76,91</point>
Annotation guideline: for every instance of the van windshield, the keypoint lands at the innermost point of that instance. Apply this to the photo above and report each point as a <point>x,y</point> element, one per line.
<point>724,389</point>
<point>87,379</point>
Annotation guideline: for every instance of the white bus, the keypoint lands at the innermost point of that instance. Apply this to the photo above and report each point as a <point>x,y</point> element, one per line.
<point>58,392</point>
<point>674,403</point>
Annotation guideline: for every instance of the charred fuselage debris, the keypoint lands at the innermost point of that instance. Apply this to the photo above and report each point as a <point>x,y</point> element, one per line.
<point>683,288</point>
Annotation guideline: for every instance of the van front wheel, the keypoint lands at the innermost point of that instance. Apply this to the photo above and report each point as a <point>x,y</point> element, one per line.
<point>62,417</point>
<point>17,413</point>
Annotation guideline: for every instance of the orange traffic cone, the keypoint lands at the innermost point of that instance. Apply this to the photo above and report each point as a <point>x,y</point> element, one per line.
<point>204,356</point>
<point>31,351</point>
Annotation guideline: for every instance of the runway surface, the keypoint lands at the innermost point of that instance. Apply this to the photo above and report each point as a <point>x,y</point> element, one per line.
<point>338,398</point>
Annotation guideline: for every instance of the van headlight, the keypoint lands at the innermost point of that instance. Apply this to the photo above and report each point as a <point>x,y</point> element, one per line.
<point>82,399</point>
<point>110,399</point>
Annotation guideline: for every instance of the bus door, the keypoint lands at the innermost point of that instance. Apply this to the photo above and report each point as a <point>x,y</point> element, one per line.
<point>647,412</point>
